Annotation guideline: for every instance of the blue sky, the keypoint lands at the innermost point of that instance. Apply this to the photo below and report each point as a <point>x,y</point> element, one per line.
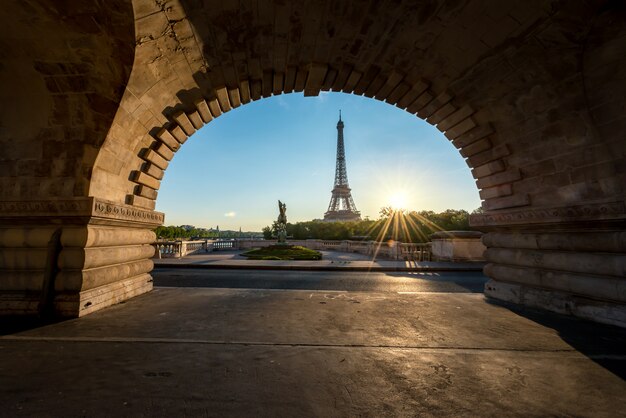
<point>232,171</point>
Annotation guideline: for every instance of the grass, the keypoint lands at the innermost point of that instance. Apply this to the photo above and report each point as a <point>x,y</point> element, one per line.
<point>283,252</point>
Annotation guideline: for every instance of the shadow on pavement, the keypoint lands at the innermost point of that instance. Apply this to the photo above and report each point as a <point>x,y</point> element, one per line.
<point>604,344</point>
<point>16,324</point>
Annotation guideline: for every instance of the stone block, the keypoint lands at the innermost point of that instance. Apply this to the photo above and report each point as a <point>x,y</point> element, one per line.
<point>105,236</point>
<point>222,98</point>
<point>417,89</point>
<point>268,83</point>
<point>442,113</point>
<point>354,78</point>
<point>504,177</point>
<point>421,101</point>
<point>196,119</point>
<point>25,236</point>
<point>314,81</point>
<point>178,133</point>
<point>329,79</point>
<point>398,92</point>
<point>290,79</point>
<point>244,91</point>
<point>153,157</point>
<point>87,258</point>
<point>391,82</point>
<point>513,201</point>
<point>460,128</point>
<point>79,304</point>
<point>234,97</point>
<point>488,169</point>
<point>145,179</point>
<point>583,241</point>
<point>152,170</point>
<point>488,155</point>
<point>475,147</point>
<point>371,82</point>
<point>559,302</point>
<point>598,264</point>
<point>167,138</point>
<point>30,281</point>
<point>496,191</point>
<point>203,110</point>
<point>435,104</point>
<point>278,84</point>
<point>164,151</point>
<point>342,77</point>
<point>79,280</point>
<point>23,258</point>
<point>214,107</point>
<point>256,89</point>
<point>455,118</point>
<point>301,77</point>
<point>142,202</point>
<point>147,192</point>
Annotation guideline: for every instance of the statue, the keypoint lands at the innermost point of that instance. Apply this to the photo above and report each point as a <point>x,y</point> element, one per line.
<point>281,223</point>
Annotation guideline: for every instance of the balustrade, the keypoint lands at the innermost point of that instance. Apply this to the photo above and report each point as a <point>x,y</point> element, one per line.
<point>418,252</point>
<point>415,251</point>
<point>178,249</point>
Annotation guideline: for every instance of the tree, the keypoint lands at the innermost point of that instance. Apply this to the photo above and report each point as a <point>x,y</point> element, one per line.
<point>393,224</point>
<point>267,232</point>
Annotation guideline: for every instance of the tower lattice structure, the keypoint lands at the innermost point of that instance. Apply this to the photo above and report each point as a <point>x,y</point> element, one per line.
<point>341,207</point>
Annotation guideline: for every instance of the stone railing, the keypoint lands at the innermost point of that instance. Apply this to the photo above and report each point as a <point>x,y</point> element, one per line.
<point>415,252</point>
<point>445,246</point>
<point>179,248</point>
<point>166,249</point>
<point>224,245</point>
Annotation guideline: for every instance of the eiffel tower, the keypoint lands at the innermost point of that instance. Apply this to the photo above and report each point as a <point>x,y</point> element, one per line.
<point>341,207</point>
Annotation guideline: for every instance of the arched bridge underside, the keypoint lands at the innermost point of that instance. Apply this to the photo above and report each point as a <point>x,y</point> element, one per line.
<point>98,97</point>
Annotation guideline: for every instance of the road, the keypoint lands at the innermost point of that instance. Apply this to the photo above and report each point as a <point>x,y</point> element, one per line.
<point>453,282</point>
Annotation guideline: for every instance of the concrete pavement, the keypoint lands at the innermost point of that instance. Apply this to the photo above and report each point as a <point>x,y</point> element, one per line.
<point>312,353</point>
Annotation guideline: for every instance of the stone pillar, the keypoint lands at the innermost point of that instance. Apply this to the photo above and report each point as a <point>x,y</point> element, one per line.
<point>457,246</point>
<point>71,257</point>
<point>569,260</point>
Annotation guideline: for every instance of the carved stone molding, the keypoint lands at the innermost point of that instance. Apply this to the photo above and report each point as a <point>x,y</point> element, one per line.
<point>558,215</point>
<point>91,209</point>
<point>109,210</point>
<point>71,207</point>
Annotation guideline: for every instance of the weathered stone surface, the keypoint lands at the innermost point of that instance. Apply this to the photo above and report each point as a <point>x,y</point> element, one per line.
<point>531,95</point>
<point>556,301</point>
<point>588,263</point>
<point>457,246</point>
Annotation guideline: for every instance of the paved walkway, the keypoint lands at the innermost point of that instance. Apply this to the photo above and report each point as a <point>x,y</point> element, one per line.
<point>302,353</point>
<point>331,260</point>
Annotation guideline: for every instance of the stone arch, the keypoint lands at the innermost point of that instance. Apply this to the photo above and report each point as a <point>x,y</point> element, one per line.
<point>531,93</point>
<point>453,120</point>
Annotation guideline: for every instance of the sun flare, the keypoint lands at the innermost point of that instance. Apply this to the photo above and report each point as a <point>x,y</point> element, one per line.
<point>398,200</point>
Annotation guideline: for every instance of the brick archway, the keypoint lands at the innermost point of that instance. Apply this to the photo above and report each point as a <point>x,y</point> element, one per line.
<point>518,89</point>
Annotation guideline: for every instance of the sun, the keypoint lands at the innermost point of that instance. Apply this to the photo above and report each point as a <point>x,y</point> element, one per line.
<point>398,200</point>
